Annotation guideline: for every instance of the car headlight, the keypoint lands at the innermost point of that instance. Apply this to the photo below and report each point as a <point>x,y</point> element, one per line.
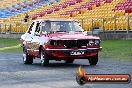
<point>96,42</point>
<point>52,42</point>
<point>91,42</point>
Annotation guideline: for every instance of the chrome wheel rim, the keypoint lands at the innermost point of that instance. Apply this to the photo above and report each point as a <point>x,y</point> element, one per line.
<point>24,57</point>
<point>42,58</point>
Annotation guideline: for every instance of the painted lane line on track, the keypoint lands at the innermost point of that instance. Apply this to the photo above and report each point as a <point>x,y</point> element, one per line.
<point>2,59</point>
<point>10,47</point>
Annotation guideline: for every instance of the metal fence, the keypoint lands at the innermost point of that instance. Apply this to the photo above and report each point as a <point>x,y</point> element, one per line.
<point>10,28</point>
<point>113,24</point>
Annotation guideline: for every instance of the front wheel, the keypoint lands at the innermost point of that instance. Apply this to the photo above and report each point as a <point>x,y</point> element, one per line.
<point>27,59</point>
<point>93,60</point>
<point>44,58</point>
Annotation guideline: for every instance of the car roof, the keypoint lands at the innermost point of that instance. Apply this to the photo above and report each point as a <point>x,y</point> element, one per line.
<point>53,19</point>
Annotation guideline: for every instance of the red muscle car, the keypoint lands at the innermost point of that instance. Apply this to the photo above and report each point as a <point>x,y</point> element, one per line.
<point>59,39</point>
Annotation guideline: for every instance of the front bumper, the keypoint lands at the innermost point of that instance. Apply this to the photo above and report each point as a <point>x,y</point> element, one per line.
<point>85,49</point>
<point>65,53</point>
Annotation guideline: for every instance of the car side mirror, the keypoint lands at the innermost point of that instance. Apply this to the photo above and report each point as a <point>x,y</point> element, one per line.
<point>37,34</point>
<point>44,32</point>
<point>86,32</point>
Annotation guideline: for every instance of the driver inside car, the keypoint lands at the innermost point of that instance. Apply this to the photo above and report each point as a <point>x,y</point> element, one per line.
<point>46,27</point>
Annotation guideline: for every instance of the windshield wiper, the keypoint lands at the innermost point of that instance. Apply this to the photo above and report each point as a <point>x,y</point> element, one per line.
<point>79,31</point>
<point>60,31</point>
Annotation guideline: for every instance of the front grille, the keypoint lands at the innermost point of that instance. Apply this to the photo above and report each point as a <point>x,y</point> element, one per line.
<point>74,43</point>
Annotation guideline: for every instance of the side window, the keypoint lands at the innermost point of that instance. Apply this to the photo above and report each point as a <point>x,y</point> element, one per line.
<point>30,28</point>
<point>46,26</point>
<point>37,30</point>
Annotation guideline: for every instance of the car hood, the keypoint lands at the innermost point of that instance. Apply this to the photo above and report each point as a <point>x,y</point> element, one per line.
<point>70,36</point>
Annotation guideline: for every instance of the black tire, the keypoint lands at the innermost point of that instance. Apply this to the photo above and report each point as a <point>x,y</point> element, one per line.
<point>93,60</point>
<point>27,59</point>
<point>69,61</point>
<point>44,58</point>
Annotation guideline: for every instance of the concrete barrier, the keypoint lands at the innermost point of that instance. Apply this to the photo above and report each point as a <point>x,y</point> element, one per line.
<point>10,35</point>
<point>115,35</point>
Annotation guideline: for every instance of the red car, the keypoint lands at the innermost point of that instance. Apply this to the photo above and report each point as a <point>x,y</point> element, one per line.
<point>59,39</point>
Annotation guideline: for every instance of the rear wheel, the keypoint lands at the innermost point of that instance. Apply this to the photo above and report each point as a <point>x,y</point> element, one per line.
<point>69,61</point>
<point>93,60</point>
<point>27,59</point>
<point>44,58</point>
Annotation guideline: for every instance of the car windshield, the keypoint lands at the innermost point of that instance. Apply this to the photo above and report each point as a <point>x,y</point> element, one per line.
<point>61,26</point>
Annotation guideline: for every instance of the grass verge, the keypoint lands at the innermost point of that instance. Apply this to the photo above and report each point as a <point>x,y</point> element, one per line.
<point>117,49</point>
<point>10,45</point>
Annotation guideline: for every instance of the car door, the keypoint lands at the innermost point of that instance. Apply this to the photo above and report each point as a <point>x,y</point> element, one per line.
<point>35,40</point>
<point>27,37</point>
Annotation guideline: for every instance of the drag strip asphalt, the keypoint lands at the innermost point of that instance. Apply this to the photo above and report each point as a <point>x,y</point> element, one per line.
<point>15,74</point>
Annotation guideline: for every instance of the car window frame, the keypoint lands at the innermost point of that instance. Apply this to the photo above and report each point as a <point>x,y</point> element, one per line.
<point>37,29</point>
<point>31,28</point>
